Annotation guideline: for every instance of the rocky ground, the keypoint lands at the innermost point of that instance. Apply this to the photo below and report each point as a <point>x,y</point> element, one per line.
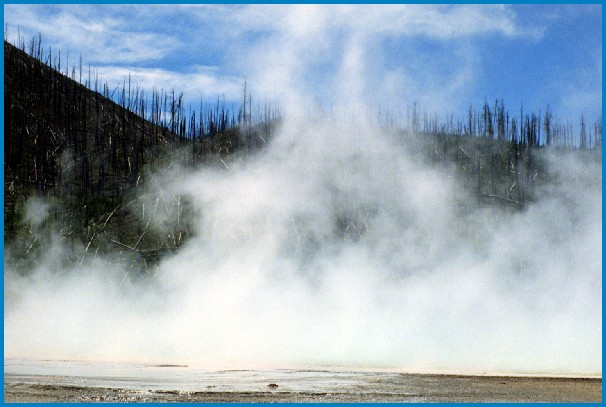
<point>383,388</point>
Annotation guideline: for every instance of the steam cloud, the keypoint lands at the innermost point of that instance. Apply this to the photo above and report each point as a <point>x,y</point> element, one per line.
<point>269,281</point>
<point>337,246</point>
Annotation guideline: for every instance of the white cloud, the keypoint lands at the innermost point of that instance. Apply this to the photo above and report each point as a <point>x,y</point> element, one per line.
<point>582,91</point>
<point>336,53</point>
<point>202,81</point>
<point>294,51</point>
<point>436,21</point>
<point>84,30</point>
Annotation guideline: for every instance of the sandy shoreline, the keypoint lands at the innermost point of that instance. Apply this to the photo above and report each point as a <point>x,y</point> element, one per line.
<point>378,388</point>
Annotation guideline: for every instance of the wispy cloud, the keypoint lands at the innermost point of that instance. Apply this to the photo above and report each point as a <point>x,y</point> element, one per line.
<point>437,21</point>
<point>99,35</point>
<point>202,80</point>
<point>297,50</point>
<point>321,51</point>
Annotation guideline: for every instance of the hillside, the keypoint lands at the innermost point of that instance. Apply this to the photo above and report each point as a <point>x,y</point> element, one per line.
<point>86,157</point>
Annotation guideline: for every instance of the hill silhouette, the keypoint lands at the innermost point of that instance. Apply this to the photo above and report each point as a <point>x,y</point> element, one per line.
<point>85,156</point>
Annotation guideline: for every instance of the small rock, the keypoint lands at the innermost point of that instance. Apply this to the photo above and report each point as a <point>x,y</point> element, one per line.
<point>272,386</point>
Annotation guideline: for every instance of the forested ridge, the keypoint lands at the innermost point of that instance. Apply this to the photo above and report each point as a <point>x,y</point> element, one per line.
<point>85,150</point>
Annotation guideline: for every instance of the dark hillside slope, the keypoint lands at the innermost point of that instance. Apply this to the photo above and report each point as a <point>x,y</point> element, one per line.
<point>62,139</point>
<point>77,149</point>
<point>86,157</point>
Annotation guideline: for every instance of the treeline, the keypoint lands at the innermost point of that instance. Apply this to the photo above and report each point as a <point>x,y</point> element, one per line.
<point>500,157</point>
<point>494,121</point>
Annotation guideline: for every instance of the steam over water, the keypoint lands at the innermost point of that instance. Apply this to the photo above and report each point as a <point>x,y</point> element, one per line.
<point>335,246</point>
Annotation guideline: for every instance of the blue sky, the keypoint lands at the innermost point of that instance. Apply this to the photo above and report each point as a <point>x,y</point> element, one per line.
<point>443,57</point>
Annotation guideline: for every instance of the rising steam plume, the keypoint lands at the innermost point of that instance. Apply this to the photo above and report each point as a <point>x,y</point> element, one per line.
<point>337,245</point>
<point>272,279</point>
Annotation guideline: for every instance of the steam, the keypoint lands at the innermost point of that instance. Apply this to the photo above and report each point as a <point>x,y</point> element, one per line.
<point>275,278</point>
<point>337,245</point>
<point>36,212</point>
